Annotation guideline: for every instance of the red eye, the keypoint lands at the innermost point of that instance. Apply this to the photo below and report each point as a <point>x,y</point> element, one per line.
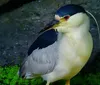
<point>66,17</point>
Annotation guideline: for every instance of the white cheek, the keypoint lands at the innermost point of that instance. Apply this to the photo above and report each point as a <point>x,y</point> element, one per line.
<point>76,19</point>
<point>57,17</point>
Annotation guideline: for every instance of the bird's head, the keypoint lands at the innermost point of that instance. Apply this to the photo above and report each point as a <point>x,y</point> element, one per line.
<point>70,17</point>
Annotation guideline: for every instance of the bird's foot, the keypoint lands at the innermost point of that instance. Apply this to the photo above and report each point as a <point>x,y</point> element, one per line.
<point>67,82</point>
<point>47,83</point>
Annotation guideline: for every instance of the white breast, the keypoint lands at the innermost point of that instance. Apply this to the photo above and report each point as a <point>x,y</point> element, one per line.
<point>74,51</point>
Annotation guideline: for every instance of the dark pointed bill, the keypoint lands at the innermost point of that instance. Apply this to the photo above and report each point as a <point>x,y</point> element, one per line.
<point>50,25</point>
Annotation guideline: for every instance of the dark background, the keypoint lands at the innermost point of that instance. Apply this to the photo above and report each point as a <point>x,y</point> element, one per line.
<point>20,20</point>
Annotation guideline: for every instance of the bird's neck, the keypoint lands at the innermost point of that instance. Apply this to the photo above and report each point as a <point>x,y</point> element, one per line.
<point>79,31</point>
<point>76,39</point>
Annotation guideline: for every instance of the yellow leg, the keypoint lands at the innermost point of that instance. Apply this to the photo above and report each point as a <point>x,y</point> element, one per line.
<point>47,83</point>
<point>67,82</point>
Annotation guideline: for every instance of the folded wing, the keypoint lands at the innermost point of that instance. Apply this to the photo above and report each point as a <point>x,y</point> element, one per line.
<point>42,55</point>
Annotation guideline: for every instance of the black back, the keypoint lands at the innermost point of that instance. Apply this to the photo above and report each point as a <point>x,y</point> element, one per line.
<point>45,39</point>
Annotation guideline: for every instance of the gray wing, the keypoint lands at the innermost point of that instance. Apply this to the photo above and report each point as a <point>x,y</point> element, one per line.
<point>40,61</point>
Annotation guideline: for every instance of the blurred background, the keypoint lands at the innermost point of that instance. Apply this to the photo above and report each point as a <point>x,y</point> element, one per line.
<point>21,20</point>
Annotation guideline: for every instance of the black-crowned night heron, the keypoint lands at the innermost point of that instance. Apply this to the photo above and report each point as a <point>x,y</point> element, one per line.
<point>62,49</point>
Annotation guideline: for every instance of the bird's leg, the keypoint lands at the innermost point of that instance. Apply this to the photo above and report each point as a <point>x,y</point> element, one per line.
<point>67,82</point>
<point>47,83</point>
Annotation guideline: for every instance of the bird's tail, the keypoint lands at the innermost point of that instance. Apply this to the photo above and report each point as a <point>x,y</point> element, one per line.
<point>23,71</point>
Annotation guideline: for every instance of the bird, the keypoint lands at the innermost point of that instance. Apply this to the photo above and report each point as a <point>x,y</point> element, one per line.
<point>62,48</point>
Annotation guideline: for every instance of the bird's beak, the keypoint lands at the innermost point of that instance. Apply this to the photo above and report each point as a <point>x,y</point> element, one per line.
<point>50,25</point>
<point>60,21</point>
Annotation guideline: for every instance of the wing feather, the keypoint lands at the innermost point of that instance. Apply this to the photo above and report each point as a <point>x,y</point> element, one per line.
<point>42,55</point>
<point>45,39</point>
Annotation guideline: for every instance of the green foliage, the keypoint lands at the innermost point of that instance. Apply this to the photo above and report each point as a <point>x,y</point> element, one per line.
<point>8,76</point>
<point>86,79</point>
